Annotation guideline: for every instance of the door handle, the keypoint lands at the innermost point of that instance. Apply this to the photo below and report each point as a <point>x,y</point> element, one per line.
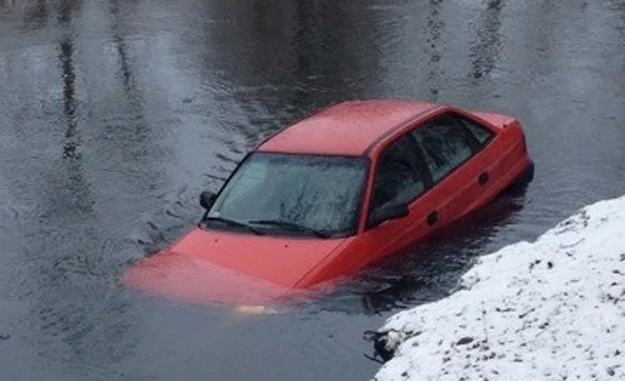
<point>483,179</point>
<point>432,218</point>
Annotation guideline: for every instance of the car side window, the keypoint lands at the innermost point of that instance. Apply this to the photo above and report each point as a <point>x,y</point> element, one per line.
<point>399,178</point>
<point>481,134</point>
<point>445,145</point>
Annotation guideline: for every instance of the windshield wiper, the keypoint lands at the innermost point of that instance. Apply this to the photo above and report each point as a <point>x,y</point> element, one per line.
<point>291,226</point>
<point>235,223</point>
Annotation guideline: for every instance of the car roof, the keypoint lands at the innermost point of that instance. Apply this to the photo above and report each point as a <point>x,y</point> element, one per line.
<point>348,128</point>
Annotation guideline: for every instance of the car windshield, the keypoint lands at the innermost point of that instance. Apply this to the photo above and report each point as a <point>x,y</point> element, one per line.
<point>294,194</point>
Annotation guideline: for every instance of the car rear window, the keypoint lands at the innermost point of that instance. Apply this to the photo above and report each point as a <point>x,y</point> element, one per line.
<point>481,134</point>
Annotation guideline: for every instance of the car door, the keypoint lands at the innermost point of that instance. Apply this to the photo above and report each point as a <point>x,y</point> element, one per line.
<point>459,172</point>
<point>400,177</point>
<point>497,159</point>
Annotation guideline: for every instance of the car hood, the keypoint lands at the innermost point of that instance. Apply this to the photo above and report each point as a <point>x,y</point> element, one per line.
<point>224,267</point>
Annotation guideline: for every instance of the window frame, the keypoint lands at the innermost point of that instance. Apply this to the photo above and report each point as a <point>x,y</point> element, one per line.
<point>352,231</point>
<point>474,144</point>
<point>419,159</point>
<point>463,120</point>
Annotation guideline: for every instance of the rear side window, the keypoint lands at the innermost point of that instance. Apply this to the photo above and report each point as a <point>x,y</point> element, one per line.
<point>481,134</point>
<point>445,145</point>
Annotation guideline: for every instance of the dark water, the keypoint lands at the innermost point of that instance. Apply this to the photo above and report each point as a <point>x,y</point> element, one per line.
<point>114,115</point>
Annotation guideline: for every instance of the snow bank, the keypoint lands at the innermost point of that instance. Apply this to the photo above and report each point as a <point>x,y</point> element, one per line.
<point>550,310</point>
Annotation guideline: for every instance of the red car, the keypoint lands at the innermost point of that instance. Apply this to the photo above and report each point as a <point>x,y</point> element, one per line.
<point>337,191</point>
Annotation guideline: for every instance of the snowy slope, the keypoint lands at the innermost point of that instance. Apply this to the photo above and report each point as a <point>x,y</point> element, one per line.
<point>550,310</point>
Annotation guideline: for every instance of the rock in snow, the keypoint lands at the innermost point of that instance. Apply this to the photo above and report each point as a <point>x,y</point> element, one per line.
<point>549,310</point>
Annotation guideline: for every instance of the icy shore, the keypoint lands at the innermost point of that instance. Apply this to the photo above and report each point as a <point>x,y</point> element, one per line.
<point>549,310</point>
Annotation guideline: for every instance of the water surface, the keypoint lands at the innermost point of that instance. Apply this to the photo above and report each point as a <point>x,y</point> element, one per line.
<point>115,115</point>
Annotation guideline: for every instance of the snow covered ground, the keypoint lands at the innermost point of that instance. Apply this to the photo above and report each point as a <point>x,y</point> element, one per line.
<point>549,310</point>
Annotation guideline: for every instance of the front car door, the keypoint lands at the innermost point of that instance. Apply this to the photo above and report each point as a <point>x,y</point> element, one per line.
<point>400,177</point>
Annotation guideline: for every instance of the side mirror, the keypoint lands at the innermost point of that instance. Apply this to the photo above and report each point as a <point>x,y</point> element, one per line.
<point>207,199</point>
<point>389,213</point>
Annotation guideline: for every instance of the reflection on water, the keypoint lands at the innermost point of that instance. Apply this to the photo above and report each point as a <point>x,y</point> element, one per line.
<point>487,44</point>
<point>66,56</point>
<point>435,26</point>
<point>116,114</point>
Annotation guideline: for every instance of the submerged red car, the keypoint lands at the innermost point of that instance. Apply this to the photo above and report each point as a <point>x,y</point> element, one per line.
<point>339,190</point>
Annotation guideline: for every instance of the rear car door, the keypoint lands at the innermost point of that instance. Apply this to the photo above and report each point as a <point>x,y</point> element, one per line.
<point>452,152</point>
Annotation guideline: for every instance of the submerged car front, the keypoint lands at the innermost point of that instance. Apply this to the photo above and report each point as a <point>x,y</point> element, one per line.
<point>274,221</point>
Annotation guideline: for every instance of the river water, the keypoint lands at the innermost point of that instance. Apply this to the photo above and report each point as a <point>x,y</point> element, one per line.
<point>115,115</point>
